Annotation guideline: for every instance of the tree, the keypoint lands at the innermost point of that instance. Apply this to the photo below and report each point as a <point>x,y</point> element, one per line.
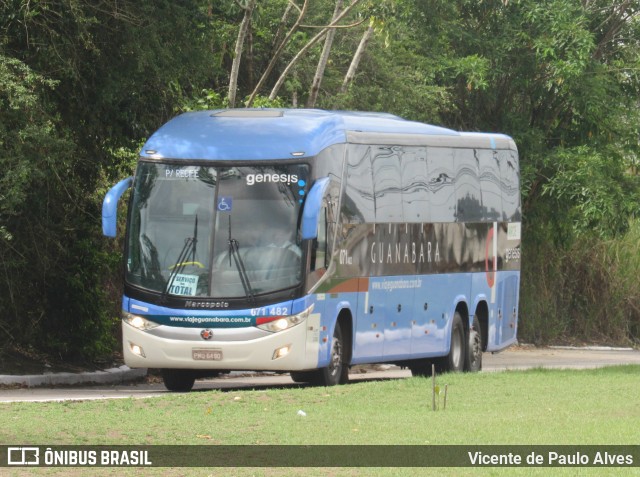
<point>242,33</point>
<point>324,58</point>
<point>79,83</point>
<point>561,78</point>
<point>310,43</point>
<point>553,74</point>
<point>276,55</point>
<point>351,73</point>
<point>83,83</point>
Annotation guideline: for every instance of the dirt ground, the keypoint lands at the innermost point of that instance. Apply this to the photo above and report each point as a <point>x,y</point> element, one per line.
<point>19,361</point>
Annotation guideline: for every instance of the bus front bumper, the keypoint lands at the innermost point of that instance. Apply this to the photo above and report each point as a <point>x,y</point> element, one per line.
<point>290,350</point>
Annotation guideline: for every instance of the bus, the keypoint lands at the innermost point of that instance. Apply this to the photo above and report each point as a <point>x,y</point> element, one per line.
<point>309,241</point>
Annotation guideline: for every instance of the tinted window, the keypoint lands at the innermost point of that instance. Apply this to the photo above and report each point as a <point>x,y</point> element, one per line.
<point>357,206</point>
<point>221,232</point>
<point>171,209</point>
<point>415,191</point>
<point>510,178</point>
<point>387,183</point>
<point>440,166</point>
<point>490,185</point>
<point>467,185</point>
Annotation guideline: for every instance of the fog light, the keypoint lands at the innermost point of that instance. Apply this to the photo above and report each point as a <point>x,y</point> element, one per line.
<point>281,352</point>
<point>137,350</point>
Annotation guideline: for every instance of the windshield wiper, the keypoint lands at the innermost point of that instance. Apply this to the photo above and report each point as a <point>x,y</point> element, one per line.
<point>234,251</point>
<point>188,248</point>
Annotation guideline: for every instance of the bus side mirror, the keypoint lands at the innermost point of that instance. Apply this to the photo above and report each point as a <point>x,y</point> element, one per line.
<point>110,207</point>
<point>312,207</point>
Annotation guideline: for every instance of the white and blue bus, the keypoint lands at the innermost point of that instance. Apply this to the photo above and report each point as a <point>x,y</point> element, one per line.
<point>308,241</point>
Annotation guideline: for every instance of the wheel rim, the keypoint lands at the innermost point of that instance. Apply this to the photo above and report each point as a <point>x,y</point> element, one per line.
<point>475,346</point>
<point>456,349</point>
<point>336,357</point>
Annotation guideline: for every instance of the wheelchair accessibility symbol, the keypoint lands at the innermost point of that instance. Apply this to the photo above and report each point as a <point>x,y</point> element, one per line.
<point>225,204</point>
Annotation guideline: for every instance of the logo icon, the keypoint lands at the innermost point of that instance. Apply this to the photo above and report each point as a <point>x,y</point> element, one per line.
<point>23,456</point>
<point>206,334</point>
<point>225,204</point>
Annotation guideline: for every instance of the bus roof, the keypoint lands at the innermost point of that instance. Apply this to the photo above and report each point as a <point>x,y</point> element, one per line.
<point>262,134</point>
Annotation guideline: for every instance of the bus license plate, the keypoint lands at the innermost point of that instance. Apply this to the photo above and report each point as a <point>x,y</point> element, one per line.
<point>206,354</point>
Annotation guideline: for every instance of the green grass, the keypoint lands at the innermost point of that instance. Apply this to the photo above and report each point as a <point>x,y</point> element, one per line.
<point>538,406</point>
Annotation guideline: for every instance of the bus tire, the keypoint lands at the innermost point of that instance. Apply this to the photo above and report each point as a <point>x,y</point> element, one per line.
<point>473,354</point>
<point>178,380</point>
<point>454,361</point>
<point>337,372</point>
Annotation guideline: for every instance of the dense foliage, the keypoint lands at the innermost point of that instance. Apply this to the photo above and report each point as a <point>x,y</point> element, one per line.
<point>83,83</point>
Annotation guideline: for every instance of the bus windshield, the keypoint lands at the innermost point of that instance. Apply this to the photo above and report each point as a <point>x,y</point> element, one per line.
<point>223,232</point>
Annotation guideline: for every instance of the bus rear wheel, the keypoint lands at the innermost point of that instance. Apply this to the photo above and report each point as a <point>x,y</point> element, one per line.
<point>178,380</point>
<point>473,354</point>
<point>454,361</point>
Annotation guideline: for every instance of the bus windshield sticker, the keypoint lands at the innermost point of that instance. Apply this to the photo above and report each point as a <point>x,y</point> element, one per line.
<point>514,231</point>
<point>225,204</point>
<point>189,172</point>
<point>184,284</point>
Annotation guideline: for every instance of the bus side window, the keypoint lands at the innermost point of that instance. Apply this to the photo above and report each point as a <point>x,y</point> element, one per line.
<point>320,255</point>
<point>358,204</point>
<point>467,185</point>
<point>441,184</point>
<point>387,183</point>
<point>509,185</point>
<point>490,185</point>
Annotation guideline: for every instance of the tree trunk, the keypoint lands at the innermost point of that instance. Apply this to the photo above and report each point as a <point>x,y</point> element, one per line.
<point>313,41</point>
<point>351,73</point>
<point>278,52</point>
<point>324,58</point>
<point>620,14</point>
<point>235,67</point>
<point>250,59</point>
<point>281,26</point>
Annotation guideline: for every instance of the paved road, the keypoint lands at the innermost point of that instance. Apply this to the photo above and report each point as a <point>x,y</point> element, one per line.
<point>514,358</point>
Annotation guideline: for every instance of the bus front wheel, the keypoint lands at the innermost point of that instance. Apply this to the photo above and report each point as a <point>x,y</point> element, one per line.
<point>337,372</point>
<point>178,380</point>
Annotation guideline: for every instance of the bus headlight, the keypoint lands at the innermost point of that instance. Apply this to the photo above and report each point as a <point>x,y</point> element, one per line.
<point>281,323</point>
<point>138,322</point>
